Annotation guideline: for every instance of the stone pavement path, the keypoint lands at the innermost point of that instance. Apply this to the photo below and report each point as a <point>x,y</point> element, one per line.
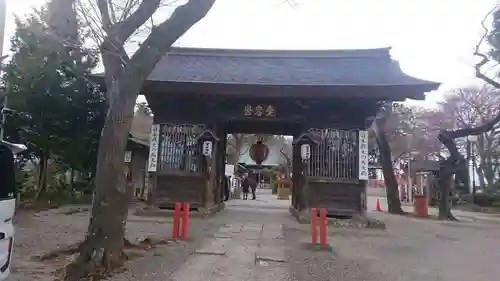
<point>249,246</point>
<point>239,251</point>
<point>260,240</point>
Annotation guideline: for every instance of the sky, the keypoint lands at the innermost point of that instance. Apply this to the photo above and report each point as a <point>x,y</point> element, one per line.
<point>431,39</point>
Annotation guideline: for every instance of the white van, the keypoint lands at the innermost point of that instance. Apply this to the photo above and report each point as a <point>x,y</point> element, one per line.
<point>7,204</point>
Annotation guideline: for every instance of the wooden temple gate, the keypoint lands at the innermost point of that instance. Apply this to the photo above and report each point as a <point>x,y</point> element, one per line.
<point>321,98</point>
<point>334,176</point>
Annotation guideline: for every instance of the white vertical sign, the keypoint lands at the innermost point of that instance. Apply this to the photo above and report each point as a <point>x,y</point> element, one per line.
<point>305,151</point>
<point>128,156</point>
<point>363,155</point>
<point>207,148</point>
<point>154,141</point>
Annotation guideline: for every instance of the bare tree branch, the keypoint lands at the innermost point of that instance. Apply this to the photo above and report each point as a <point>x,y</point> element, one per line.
<point>104,11</point>
<point>124,78</point>
<point>487,126</point>
<point>121,31</point>
<point>484,58</point>
<point>163,36</point>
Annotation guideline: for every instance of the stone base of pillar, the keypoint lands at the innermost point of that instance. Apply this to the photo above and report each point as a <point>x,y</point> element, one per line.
<point>236,194</point>
<point>302,216</point>
<point>212,210</point>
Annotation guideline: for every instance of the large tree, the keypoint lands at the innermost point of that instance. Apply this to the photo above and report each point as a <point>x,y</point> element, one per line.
<point>402,134</point>
<point>455,162</point>
<point>59,110</point>
<point>124,75</point>
<point>473,106</point>
<point>382,139</point>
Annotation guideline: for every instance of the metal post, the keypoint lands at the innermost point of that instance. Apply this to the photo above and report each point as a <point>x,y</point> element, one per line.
<point>473,174</point>
<point>185,221</point>
<point>4,117</point>
<point>322,228</point>
<point>468,144</point>
<point>176,221</point>
<point>473,140</point>
<point>3,12</point>
<point>409,195</point>
<point>314,230</point>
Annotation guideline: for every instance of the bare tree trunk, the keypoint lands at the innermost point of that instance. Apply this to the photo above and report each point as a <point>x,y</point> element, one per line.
<point>391,184</point>
<point>42,174</point>
<point>238,140</point>
<point>480,174</point>
<point>71,178</point>
<point>102,250</point>
<point>444,182</point>
<point>484,149</point>
<point>455,163</point>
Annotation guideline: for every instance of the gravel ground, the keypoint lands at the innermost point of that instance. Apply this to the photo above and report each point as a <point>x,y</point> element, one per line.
<point>38,234</point>
<point>462,215</point>
<point>241,262</point>
<point>419,249</point>
<point>409,249</point>
<point>175,261</point>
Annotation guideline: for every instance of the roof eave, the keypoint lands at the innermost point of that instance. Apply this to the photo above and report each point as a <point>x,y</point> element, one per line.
<point>416,89</point>
<point>384,92</point>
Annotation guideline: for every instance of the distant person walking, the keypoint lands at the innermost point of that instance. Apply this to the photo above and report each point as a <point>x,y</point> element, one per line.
<point>227,189</point>
<point>253,186</point>
<point>245,186</point>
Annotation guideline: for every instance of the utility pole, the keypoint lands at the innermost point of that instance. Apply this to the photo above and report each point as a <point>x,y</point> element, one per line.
<point>3,12</point>
<point>471,140</point>
<point>409,190</point>
<point>469,161</point>
<point>473,156</point>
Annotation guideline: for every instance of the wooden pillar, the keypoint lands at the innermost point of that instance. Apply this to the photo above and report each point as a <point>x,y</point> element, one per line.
<point>212,175</point>
<point>211,197</point>
<point>296,175</point>
<point>300,177</point>
<point>302,169</point>
<point>221,135</point>
<point>220,163</point>
<point>297,181</point>
<point>212,182</point>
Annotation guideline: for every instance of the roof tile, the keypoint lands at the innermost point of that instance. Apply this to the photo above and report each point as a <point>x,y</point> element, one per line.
<point>372,67</point>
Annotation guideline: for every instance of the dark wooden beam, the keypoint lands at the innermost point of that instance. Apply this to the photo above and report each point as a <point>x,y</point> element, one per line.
<point>345,113</point>
<point>381,92</point>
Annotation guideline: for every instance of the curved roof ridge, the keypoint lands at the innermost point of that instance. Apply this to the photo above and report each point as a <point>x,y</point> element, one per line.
<point>263,53</point>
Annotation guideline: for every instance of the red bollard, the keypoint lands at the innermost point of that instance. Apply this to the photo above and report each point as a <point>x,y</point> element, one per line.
<point>176,222</point>
<point>322,228</point>
<point>314,233</point>
<point>185,221</point>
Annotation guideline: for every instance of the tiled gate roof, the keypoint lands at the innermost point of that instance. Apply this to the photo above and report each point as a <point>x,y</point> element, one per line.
<point>371,67</point>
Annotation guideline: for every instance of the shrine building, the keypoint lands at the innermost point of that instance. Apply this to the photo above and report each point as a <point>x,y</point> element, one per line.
<point>323,98</point>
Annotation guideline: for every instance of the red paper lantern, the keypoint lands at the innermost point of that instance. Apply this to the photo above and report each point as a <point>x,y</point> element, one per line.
<point>259,152</point>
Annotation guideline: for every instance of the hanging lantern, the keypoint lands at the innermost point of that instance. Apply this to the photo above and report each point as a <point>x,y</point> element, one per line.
<point>259,152</point>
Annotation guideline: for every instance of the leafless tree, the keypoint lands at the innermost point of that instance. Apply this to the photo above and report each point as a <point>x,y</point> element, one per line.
<point>113,23</point>
<point>382,139</point>
<point>475,106</point>
<point>455,162</point>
